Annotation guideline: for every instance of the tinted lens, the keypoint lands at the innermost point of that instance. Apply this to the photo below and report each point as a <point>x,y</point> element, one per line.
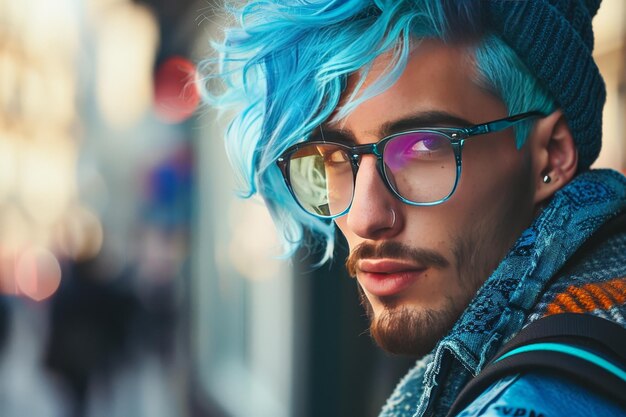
<point>321,178</point>
<point>421,166</point>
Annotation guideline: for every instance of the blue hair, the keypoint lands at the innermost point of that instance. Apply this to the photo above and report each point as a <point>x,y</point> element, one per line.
<point>285,66</point>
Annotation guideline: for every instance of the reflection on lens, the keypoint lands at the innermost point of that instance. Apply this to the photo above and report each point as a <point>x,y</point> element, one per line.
<point>308,181</point>
<point>421,166</point>
<point>321,179</point>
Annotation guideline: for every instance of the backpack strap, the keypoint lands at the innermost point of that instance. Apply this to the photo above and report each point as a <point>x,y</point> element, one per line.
<point>586,348</point>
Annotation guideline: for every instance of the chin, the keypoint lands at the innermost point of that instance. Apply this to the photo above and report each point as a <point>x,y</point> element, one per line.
<point>404,329</point>
<point>402,332</point>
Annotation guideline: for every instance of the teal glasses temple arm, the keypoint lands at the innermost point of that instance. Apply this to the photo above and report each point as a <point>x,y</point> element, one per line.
<point>501,124</point>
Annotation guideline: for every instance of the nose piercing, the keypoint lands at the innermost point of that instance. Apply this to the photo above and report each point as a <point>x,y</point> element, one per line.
<point>546,179</point>
<point>393,218</point>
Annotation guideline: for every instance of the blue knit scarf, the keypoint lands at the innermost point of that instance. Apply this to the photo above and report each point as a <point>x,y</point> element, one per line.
<point>504,303</point>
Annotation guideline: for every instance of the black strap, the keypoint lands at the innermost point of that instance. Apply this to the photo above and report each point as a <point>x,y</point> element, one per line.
<point>595,335</point>
<point>584,329</point>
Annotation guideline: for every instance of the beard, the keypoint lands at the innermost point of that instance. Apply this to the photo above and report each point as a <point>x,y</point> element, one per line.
<point>413,330</point>
<point>403,330</point>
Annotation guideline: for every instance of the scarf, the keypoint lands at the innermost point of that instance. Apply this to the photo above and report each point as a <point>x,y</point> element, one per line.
<point>508,297</point>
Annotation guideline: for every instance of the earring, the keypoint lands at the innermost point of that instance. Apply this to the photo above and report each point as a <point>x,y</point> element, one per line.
<point>546,179</point>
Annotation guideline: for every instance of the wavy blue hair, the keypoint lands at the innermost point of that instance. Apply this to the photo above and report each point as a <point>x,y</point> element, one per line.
<point>284,67</point>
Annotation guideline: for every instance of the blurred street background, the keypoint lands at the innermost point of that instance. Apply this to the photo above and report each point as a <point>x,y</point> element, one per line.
<point>133,281</point>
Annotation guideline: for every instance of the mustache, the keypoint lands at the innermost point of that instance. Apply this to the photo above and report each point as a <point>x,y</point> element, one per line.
<point>394,250</point>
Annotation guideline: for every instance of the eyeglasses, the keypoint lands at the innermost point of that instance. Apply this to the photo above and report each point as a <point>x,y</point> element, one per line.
<point>421,167</point>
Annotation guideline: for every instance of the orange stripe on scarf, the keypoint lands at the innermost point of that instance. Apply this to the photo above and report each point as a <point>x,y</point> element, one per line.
<point>589,297</point>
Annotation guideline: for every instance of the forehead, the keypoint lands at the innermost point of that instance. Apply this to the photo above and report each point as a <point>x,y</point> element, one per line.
<point>437,78</point>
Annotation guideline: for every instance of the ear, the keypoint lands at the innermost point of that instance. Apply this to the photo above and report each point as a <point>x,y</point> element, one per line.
<point>554,154</point>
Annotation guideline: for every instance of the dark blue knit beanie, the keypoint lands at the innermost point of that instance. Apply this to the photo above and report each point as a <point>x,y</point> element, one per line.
<point>554,38</point>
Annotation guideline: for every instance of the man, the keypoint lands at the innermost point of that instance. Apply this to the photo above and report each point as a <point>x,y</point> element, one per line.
<point>450,144</point>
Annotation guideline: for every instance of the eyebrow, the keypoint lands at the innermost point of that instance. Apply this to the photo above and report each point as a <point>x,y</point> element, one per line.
<point>433,118</point>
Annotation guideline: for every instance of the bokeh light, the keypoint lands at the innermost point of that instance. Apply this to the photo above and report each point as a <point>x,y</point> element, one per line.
<point>79,234</point>
<point>254,248</point>
<point>8,257</point>
<point>47,177</point>
<point>127,40</point>
<point>176,95</point>
<point>8,162</point>
<point>10,70</point>
<point>48,94</point>
<point>38,273</point>
<point>39,128</point>
<point>16,231</point>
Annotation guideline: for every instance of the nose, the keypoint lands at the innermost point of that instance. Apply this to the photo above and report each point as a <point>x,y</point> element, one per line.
<point>375,213</point>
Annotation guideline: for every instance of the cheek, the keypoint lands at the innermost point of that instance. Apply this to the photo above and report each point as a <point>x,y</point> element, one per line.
<point>495,173</point>
<point>495,203</point>
<point>351,238</point>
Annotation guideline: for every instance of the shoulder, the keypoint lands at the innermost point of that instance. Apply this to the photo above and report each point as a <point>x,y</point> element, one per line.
<point>540,394</point>
<point>593,281</point>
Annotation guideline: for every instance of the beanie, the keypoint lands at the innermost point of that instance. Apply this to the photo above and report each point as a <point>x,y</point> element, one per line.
<point>554,38</point>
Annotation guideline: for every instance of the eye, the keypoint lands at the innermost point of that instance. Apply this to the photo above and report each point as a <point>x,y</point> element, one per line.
<point>428,144</point>
<point>417,147</point>
<point>336,157</point>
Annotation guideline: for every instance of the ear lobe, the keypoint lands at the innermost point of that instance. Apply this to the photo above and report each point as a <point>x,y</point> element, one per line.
<point>555,155</point>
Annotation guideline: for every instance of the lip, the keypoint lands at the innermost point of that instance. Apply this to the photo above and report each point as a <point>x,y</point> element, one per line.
<point>386,277</point>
